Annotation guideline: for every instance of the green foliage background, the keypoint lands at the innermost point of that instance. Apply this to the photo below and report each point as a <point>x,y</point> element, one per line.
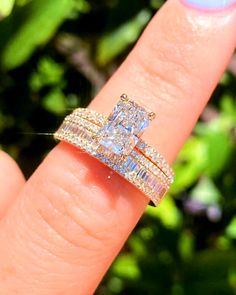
<point>55,55</point>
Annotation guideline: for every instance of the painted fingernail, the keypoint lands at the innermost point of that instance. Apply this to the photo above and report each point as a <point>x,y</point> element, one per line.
<point>210,4</point>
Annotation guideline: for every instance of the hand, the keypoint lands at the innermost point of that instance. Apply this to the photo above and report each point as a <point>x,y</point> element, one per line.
<point>61,230</point>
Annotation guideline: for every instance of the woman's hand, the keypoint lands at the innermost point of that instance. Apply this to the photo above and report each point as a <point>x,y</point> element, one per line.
<point>60,231</point>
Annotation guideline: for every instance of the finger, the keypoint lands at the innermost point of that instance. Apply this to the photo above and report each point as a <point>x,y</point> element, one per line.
<point>11,182</point>
<point>72,218</point>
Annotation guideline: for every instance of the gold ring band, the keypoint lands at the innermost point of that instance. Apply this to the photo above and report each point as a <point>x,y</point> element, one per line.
<point>104,138</point>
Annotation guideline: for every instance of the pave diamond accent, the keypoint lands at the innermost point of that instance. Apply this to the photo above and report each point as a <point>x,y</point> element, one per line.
<point>125,125</point>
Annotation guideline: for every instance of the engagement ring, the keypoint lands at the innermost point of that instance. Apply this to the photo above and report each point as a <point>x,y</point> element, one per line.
<point>116,141</point>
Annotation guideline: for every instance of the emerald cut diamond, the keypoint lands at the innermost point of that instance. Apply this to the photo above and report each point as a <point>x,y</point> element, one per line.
<point>125,125</point>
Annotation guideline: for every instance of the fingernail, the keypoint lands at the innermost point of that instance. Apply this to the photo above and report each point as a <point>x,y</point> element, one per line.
<point>210,4</point>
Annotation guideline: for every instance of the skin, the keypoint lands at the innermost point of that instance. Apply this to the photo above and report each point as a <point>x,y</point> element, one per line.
<point>72,217</point>
<point>9,186</point>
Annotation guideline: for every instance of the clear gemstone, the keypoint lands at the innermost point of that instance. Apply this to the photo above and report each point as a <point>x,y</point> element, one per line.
<point>142,145</point>
<point>117,139</point>
<point>130,115</point>
<point>132,166</point>
<point>125,125</point>
<point>127,162</point>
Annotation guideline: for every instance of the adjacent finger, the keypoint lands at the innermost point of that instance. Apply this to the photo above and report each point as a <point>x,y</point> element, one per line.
<point>74,215</point>
<point>11,182</point>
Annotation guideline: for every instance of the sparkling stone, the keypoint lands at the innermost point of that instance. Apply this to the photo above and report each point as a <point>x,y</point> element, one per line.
<point>66,128</point>
<point>124,127</point>
<point>151,182</point>
<point>129,114</point>
<point>127,162</point>
<point>132,166</point>
<point>142,145</point>
<point>117,139</point>
<point>143,174</point>
<point>119,169</point>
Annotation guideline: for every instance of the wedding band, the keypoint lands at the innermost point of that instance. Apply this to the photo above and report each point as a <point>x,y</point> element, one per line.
<point>116,141</point>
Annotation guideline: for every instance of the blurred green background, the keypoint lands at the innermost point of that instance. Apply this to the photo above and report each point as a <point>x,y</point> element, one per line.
<point>55,55</point>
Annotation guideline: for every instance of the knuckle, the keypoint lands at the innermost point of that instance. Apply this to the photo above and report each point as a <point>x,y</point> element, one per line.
<point>161,70</point>
<point>166,59</point>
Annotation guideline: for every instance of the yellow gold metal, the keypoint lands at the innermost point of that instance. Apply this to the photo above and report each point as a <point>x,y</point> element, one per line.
<point>152,116</point>
<point>124,97</point>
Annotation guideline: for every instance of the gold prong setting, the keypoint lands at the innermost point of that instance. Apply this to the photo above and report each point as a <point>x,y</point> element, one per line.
<point>152,116</point>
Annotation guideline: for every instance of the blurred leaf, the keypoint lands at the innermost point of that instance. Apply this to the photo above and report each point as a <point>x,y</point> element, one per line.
<point>225,79</point>
<point>23,2</point>
<point>146,233</point>
<point>228,106</point>
<point>113,43</point>
<point>126,266</point>
<point>206,192</point>
<point>223,243</point>
<point>137,244</point>
<point>34,25</point>
<point>115,285</point>
<point>156,4</point>
<point>82,6</point>
<point>232,277</point>
<point>55,102</point>
<point>219,150</point>
<point>6,121</point>
<point>6,7</point>
<point>218,144</point>
<point>72,101</point>
<point>167,213</point>
<point>186,245</point>
<point>190,164</point>
<point>210,271</point>
<point>231,229</point>
<point>48,73</point>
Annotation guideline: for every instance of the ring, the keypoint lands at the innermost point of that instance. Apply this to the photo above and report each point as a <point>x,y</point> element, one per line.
<point>116,141</point>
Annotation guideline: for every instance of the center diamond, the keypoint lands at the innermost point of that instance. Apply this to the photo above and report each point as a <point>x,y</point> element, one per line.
<point>125,125</point>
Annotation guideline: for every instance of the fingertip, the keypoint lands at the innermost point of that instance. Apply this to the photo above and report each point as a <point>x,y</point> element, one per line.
<point>8,163</point>
<point>11,181</point>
